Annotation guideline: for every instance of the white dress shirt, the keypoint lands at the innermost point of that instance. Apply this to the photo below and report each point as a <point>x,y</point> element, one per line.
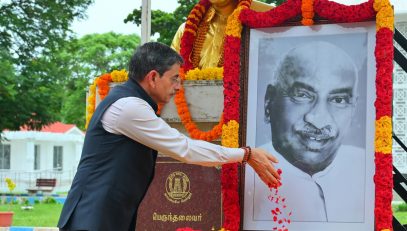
<point>135,118</point>
<point>336,194</point>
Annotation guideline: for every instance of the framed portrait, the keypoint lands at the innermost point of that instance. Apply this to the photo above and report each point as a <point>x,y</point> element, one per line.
<point>310,101</point>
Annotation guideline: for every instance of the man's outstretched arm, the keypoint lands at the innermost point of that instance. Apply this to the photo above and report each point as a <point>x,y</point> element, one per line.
<point>134,118</point>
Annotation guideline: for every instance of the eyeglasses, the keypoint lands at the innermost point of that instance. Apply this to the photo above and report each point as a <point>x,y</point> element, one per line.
<point>176,80</point>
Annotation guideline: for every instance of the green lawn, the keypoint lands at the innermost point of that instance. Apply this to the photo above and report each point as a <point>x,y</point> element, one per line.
<point>401,217</point>
<point>47,215</point>
<point>43,215</point>
<point>400,212</point>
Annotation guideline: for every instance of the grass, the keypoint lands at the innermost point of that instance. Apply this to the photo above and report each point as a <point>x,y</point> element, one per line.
<point>43,215</point>
<point>47,214</point>
<point>400,212</point>
<point>401,217</point>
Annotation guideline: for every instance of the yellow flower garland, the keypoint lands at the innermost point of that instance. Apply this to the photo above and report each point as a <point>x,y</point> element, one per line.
<point>234,27</point>
<point>230,134</point>
<point>215,73</point>
<point>90,109</point>
<point>385,14</point>
<point>117,76</point>
<point>383,139</point>
<point>383,134</point>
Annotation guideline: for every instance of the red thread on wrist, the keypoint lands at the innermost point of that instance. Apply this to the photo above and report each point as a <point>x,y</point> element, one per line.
<point>250,153</point>
<point>247,154</point>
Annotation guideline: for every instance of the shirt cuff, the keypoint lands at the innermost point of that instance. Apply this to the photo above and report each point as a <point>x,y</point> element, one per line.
<point>234,154</point>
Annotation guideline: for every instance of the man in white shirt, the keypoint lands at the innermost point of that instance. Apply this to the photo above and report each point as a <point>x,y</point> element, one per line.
<point>310,105</point>
<point>121,144</point>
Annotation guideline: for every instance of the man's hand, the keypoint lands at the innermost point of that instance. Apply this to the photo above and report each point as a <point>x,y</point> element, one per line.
<point>261,162</point>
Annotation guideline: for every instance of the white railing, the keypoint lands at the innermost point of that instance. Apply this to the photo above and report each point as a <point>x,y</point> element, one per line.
<point>27,179</point>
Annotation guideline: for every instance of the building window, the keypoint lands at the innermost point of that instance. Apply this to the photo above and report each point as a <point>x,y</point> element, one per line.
<point>4,156</point>
<point>58,158</point>
<point>37,157</point>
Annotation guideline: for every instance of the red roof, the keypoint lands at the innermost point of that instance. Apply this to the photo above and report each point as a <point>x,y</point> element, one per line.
<point>56,127</point>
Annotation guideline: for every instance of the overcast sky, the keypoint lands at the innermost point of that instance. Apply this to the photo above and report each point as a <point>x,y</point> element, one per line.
<point>108,15</point>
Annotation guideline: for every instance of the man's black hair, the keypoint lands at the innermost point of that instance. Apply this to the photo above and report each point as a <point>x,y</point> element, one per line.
<point>152,56</point>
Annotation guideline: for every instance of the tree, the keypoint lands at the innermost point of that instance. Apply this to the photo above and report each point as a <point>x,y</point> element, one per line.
<point>86,58</point>
<point>166,24</point>
<point>29,28</point>
<point>7,88</point>
<point>31,31</point>
<point>95,54</point>
<point>29,96</point>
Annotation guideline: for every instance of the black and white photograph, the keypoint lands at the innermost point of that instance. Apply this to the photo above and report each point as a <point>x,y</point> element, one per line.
<point>311,93</point>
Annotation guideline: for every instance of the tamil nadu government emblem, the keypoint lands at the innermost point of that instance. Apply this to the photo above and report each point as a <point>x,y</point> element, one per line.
<point>177,187</point>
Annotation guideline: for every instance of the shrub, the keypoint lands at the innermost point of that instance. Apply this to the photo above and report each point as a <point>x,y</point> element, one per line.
<point>49,200</point>
<point>401,207</point>
<point>25,201</point>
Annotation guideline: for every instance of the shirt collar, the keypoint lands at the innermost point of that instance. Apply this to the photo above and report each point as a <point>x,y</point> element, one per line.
<point>134,84</point>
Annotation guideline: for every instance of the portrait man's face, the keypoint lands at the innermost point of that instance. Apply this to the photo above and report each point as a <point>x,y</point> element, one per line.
<point>310,106</point>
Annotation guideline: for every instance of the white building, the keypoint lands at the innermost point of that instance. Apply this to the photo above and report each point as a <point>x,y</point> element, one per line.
<point>400,96</point>
<point>52,152</point>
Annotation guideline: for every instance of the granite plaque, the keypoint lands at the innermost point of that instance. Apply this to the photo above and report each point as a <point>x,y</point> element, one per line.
<point>181,195</point>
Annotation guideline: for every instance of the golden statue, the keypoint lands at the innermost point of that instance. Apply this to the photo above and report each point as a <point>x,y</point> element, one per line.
<point>212,29</point>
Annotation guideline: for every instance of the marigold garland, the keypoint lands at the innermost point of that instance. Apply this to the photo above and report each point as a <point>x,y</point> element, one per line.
<point>215,73</point>
<point>233,29</point>
<point>383,143</point>
<point>90,108</point>
<point>307,10</point>
<point>190,126</point>
<point>336,12</point>
<point>229,174</point>
<point>274,17</point>
<point>119,76</point>
<point>186,118</point>
<point>385,14</point>
<point>201,32</point>
<point>190,32</point>
<point>383,180</point>
<point>102,83</point>
<point>187,43</point>
<point>230,134</point>
<point>233,26</point>
<point>383,139</point>
<point>230,138</point>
